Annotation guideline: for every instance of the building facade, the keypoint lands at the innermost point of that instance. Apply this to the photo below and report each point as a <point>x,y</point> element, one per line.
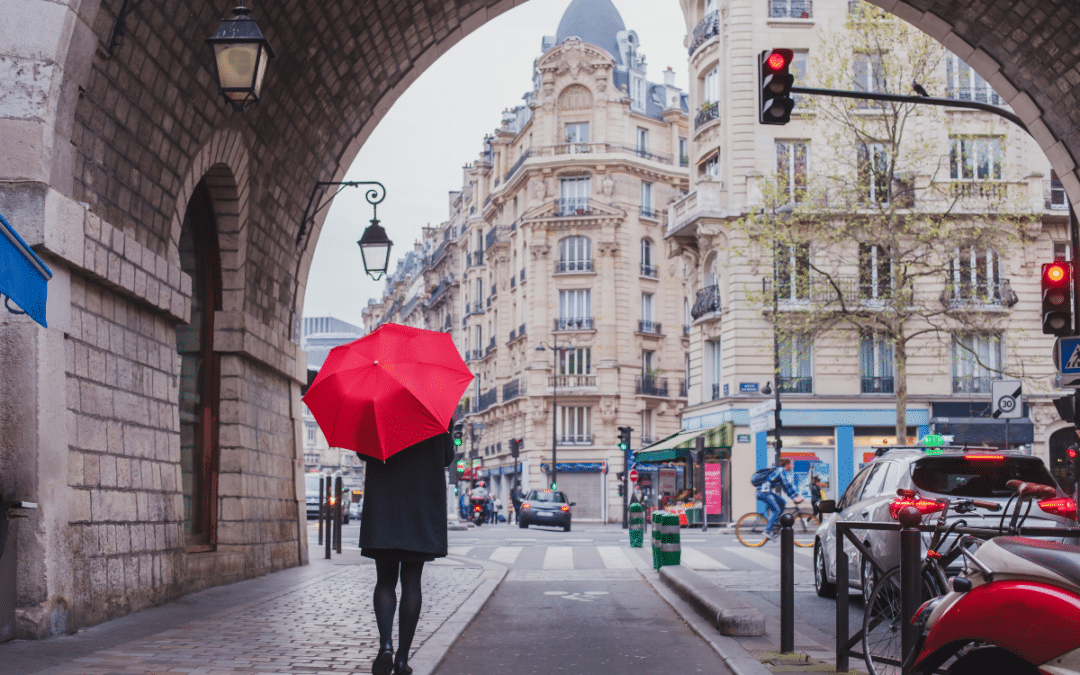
<point>320,335</point>
<point>978,299</point>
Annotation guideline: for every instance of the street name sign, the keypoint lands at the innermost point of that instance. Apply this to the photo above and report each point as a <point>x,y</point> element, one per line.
<point>762,423</point>
<point>763,408</point>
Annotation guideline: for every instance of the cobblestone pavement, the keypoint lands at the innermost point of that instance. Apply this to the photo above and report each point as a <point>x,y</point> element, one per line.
<point>320,621</point>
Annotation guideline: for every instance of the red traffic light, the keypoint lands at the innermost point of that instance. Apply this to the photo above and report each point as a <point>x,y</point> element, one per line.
<point>776,61</point>
<point>1072,453</point>
<point>1056,274</point>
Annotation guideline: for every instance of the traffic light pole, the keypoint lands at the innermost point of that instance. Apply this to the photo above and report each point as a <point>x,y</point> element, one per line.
<point>1074,247</point>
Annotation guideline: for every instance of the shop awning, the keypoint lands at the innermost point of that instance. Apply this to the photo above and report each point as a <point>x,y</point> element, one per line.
<point>23,276</point>
<point>681,444</point>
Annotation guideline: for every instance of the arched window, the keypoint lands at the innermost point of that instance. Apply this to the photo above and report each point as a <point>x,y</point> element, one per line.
<point>575,255</point>
<point>648,268</point>
<point>575,97</point>
<point>200,372</point>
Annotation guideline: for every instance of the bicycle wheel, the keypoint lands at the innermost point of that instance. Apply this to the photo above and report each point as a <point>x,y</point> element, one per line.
<point>805,529</point>
<point>751,529</point>
<point>883,620</point>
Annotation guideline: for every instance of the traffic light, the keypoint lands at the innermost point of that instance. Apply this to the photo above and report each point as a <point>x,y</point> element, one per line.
<point>1073,461</point>
<point>624,438</point>
<point>620,475</point>
<point>775,82</point>
<point>1057,298</point>
<point>620,490</point>
<point>458,430</point>
<point>515,447</point>
<point>460,466</point>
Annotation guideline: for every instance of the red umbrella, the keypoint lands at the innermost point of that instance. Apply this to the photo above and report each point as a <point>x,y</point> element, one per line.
<point>388,390</point>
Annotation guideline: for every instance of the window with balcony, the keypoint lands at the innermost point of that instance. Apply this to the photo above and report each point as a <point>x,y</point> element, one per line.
<point>796,371</point>
<point>975,158</point>
<point>876,364</point>
<point>791,9</point>
<point>975,275</point>
<point>711,89</point>
<point>792,169</point>
<point>577,137</point>
<point>684,157</point>
<point>875,272</point>
<point>869,76</point>
<point>646,201</point>
<point>642,142</point>
<point>574,196</point>
<point>873,175</point>
<point>575,310</point>
<point>647,324</point>
<point>575,255</point>
<point>793,272</point>
<point>712,367</point>
<point>976,361</point>
<point>575,425</point>
<point>711,166</point>
<point>577,362</point>
<point>964,84</point>
<point>647,427</point>
<point>648,265</point>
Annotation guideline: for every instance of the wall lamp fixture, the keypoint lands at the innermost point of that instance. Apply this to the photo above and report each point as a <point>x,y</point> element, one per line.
<point>374,244</point>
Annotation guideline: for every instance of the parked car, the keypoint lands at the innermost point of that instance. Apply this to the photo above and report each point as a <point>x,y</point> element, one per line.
<point>311,489</point>
<point>546,507</point>
<point>952,472</point>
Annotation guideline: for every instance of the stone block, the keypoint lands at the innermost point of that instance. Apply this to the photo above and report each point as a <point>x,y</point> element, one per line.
<point>79,511</point>
<point>108,471</point>
<point>116,578</point>
<point>91,470</point>
<point>123,472</point>
<point>138,441</point>
<point>91,433</point>
<point>75,468</point>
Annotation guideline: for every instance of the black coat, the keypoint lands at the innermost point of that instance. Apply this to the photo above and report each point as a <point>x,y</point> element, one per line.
<point>405,498</point>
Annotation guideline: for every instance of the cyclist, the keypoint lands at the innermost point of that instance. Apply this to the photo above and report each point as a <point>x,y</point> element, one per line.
<point>779,477</point>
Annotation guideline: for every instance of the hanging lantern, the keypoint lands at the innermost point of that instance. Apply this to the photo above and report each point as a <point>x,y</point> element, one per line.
<point>240,56</point>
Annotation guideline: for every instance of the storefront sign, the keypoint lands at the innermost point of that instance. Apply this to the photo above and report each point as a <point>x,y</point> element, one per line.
<point>713,489</point>
<point>743,438</point>
<point>665,478</point>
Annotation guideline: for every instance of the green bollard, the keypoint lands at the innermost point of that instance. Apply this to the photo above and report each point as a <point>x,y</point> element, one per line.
<point>657,562</point>
<point>637,525</point>
<point>670,544</point>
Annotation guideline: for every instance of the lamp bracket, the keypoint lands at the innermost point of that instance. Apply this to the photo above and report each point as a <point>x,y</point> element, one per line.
<point>119,29</point>
<point>374,196</point>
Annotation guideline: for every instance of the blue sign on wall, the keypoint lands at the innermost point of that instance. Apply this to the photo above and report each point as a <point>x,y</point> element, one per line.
<point>725,390</point>
<point>748,387</point>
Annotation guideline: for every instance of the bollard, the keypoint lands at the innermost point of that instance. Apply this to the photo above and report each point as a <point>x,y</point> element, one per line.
<point>322,503</point>
<point>339,489</point>
<point>670,545</point>
<point>329,528</point>
<point>910,582</point>
<point>657,562</point>
<point>637,525</point>
<point>787,584</point>
<point>841,598</point>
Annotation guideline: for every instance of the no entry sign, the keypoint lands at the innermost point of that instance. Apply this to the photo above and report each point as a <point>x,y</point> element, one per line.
<point>633,475</point>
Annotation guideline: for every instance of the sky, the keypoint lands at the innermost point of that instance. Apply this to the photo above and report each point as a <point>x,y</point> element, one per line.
<point>437,126</point>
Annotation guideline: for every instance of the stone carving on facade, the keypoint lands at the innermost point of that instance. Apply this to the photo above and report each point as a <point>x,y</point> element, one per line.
<point>607,186</point>
<point>575,58</point>
<point>537,251</point>
<point>608,409</point>
<point>538,411</point>
<point>1043,416</point>
<point>604,248</point>
<point>540,189</point>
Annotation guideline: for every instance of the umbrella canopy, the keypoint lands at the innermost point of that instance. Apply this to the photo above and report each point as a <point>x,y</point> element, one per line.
<point>388,390</point>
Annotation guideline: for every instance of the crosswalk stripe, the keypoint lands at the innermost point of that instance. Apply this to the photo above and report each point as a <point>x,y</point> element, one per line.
<point>614,558</point>
<point>768,560</point>
<point>695,559</point>
<point>559,558</point>
<point>461,551</point>
<point>506,554</point>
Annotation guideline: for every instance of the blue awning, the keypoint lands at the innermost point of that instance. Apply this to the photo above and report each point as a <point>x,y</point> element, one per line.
<point>23,276</point>
<point>575,467</point>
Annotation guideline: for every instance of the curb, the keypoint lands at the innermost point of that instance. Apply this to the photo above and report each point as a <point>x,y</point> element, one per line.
<point>727,613</point>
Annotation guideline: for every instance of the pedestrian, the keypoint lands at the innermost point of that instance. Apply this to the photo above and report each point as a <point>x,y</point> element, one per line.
<point>510,513</point>
<point>403,525</point>
<point>516,496</point>
<point>496,510</point>
<point>817,493</point>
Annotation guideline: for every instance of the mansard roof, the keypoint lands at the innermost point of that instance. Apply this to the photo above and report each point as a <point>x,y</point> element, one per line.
<point>596,22</point>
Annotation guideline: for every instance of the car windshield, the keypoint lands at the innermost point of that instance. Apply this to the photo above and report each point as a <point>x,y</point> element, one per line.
<point>977,475</point>
<point>546,496</point>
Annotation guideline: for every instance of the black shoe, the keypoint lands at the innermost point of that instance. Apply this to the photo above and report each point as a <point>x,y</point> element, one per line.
<point>384,663</point>
<point>402,669</point>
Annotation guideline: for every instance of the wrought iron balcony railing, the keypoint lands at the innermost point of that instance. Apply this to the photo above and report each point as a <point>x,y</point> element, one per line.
<point>877,385</point>
<point>486,399</point>
<point>517,165</point>
<point>977,94</point>
<point>707,28</point>
<point>796,385</point>
<point>648,327</point>
<point>574,266</point>
<point>970,384</point>
<point>791,9</point>
<point>573,206</point>
<point>574,323</point>
<point>650,213</point>
<point>511,390</point>
<point>987,294</point>
<point>652,271</point>
<point>651,386</point>
<point>708,112</point>
<point>707,301</point>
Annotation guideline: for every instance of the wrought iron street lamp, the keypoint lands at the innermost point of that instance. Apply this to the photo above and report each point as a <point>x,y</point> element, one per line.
<point>374,244</point>
<point>240,56</point>
<point>375,250</point>
<point>555,349</point>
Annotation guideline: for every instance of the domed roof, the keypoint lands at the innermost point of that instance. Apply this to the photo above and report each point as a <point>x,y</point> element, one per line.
<point>596,22</point>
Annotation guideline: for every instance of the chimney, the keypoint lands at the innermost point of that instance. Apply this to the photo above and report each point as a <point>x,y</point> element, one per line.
<point>669,77</point>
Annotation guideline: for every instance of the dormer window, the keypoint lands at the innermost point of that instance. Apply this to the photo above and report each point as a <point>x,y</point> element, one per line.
<point>637,93</point>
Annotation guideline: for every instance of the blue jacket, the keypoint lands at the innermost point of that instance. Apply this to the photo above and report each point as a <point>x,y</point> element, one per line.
<point>778,477</point>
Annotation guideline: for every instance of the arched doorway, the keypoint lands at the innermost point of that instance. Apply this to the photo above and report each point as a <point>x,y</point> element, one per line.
<point>200,373</point>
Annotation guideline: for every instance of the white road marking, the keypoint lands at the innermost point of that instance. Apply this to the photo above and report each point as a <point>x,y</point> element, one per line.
<point>614,558</point>
<point>768,560</point>
<point>460,551</point>
<point>506,554</point>
<point>559,558</point>
<point>578,541</point>
<point>695,559</point>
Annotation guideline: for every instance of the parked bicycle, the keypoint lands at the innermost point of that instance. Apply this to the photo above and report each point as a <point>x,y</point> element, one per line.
<point>751,527</point>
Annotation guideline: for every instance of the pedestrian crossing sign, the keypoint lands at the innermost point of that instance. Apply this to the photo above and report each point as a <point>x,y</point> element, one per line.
<point>1067,358</point>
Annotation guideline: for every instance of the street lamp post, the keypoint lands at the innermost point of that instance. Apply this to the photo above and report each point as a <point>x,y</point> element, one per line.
<point>555,349</point>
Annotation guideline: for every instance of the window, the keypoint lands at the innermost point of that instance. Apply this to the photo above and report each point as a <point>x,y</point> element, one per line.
<point>577,137</point>
<point>976,361</point>
<point>792,159</point>
<point>975,158</point>
<point>648,363</point>
<point>974,274</point>
<point>642,142</point>
<point>873,185</point>
<point>711,166</point>
<point>869,77</point>
<point>1057,199</point>
<point>790,9</point>
<point>575,309</point>
<point>796,374</point>
<point>647,323</point>
<point>711,92</point>
<point>875,272</point>
<point>798,69</point>
<point>646,200</point>
<point>964,84</point>
<point>647,426</point>
<point>684,159</point>
<point>311,433</point>
<point>793,272</point>
<point>686,316</point>
<point>577,362</point>
<point>712,365</point>
<point>479,293</point>
<point>575,255</point>
<point>574,196</point>
<point>647,267</point>
<point>637,92</point>
<point>1062,250</point>
<point>575,425</point>
<point>876,364</point>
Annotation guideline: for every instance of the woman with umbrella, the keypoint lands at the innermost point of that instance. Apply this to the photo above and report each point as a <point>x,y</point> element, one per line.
<point>391,396</point>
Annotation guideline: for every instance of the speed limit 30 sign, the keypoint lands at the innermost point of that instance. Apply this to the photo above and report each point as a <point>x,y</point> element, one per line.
<point>1006,399</point>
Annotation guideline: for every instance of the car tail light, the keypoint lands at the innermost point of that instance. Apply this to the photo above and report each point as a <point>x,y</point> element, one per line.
<point>526,505</point>
<point>1062,506</point>
<point>564,507</point>
<point>925,506</point>
<point>979,458</point>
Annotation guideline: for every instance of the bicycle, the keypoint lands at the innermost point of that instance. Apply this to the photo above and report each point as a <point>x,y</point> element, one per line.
<point>882,616</point>
<point>750,528</point>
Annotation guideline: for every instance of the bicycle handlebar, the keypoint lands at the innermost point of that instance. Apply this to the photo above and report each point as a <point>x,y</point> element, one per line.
<point>1025,489</point>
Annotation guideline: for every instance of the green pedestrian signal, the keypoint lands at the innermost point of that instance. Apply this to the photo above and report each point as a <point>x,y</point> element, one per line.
<point>553,486</point>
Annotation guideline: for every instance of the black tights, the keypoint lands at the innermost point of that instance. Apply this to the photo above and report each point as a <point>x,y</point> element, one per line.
<point>387,572</point>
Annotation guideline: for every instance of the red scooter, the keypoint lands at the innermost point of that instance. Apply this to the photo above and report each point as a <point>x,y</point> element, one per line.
<point>478,514</point>
<point>1015,612</point>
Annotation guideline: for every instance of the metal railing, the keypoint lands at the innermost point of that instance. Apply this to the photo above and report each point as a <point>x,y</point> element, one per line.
<point>651,386</point>
<point>977,94</point>
<point>791,9</point>
<point>517,165</point>
<point>715,391</point>
<point>576,439</point>
<point>511,390</point>
<point>683,389</point>
<point>707,301</point>
<point>651,271</point>
<point>877,385</point>
<point>572,381</point>
<point>706,113</point>
<point>475,259</point>
<point>707,28</point>
<point>574,266</point>
<point>439,292</point>
<point>495,236</point>
<point>988,294</point>
<point>573,206</point>
<point>486,399</point>
<point>649,212</point>
<point>648,327</point>
<point>972,384</point>
<point>796,385</point>
<point>574,323</point>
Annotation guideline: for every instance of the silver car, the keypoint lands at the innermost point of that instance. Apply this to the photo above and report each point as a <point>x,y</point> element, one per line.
<point>953,472</point>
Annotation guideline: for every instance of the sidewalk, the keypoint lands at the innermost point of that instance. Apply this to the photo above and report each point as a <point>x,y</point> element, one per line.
<point>311,619</point>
